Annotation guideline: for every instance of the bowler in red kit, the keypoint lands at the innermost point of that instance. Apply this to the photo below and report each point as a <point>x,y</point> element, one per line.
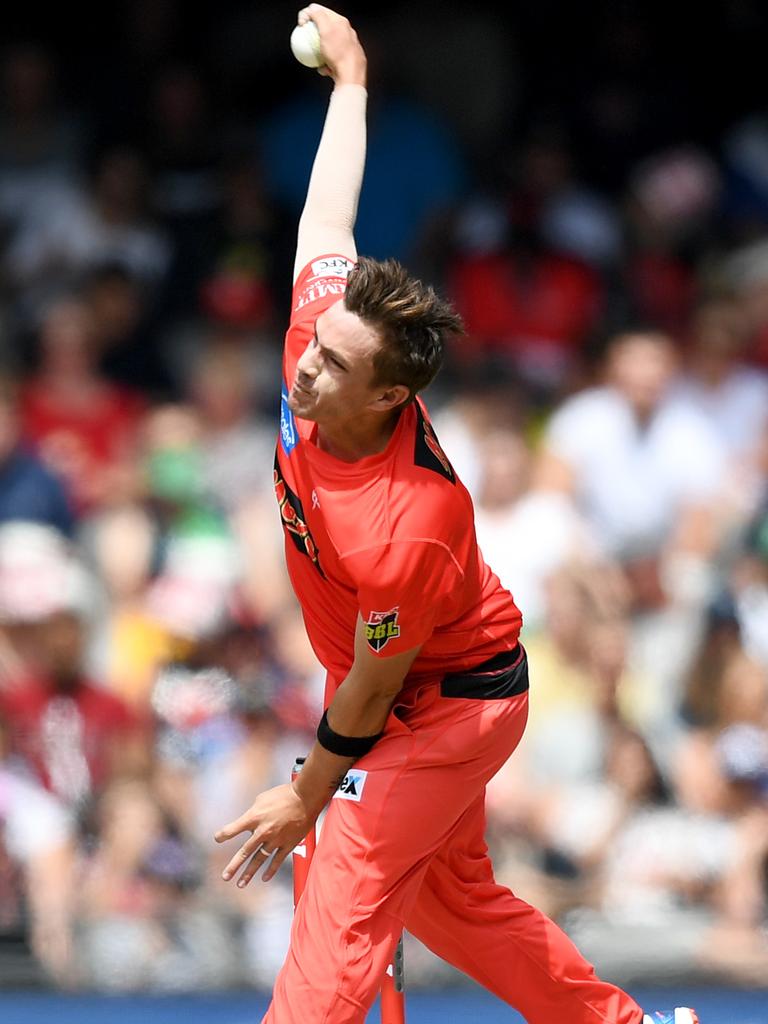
<point>427,684</point>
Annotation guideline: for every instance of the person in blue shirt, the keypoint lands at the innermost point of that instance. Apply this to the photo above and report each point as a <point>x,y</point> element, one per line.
<point>28,489</point>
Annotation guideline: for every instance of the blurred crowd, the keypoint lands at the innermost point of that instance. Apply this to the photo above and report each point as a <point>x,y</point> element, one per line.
<point>607,409</point>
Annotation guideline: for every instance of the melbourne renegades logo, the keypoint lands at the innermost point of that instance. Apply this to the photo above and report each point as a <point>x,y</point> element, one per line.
<point>382,627</point>
<point>292,514</point>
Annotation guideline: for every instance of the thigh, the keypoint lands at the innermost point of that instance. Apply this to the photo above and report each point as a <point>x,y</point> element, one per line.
<point>396,810</point>
<point>403,800</point>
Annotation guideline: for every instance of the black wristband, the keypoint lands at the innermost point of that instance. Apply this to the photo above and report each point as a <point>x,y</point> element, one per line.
<point>344,746</point>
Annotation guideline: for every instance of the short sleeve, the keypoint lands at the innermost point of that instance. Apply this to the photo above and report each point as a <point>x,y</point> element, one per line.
<point>322,282</point>
<point>404,591</point>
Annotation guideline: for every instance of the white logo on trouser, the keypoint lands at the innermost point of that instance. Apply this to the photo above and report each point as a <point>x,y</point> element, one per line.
<point>351,787</point>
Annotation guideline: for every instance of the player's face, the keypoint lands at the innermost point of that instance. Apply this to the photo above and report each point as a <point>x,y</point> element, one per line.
<point>334,376</point>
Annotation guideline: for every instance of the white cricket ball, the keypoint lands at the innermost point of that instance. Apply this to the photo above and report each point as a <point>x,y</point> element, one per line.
<point>305,44</point>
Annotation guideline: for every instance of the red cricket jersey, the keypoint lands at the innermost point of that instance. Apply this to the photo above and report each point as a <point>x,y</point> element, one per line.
<point>390,537</point>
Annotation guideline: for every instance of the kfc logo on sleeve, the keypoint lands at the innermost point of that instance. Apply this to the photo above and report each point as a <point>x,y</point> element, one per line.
<point>331,266</point>
<point>327,277</point>
<point>381,627</point>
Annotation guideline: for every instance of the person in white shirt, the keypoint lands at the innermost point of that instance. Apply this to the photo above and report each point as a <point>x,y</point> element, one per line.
<point>719,384</point>
<point>526,535</point>
<point>647,472</point>
<point>636,463</point>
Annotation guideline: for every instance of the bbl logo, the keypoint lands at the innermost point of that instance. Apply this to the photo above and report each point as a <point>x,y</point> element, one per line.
<point>382,627</point>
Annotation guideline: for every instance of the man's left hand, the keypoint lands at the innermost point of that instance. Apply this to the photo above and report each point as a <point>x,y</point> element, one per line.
<point>278,820</point>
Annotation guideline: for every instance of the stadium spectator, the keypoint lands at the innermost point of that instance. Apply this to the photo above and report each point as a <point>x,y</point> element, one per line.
<point>73,734</point>
<point>671,207</point>
<point>532,307</point>
<point>144,922</point>
<point>577,822</point>
<point>183,139</point>
<point>744,272</point>
<point>720,383</point>
<point>527,536</point>
<point>522,277</point>
<point>647,474</point>
<point>37,841</point>
<point>41,143</point>
<point>640,468</point>
<point>130,644</point>
<point>28,489</point>
<point>184,152</point>
<point>83,427</point>
<point>247,252</point>
<point>105,225</point>
<point>124,319</point>
<point>238,446</point>
<point>585,684</point>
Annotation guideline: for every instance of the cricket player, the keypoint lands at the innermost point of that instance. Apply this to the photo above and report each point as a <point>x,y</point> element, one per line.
<point>427,684</point>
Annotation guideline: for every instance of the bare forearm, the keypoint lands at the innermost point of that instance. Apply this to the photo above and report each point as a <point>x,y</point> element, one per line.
<point>337,171</point>
<point>328,218</point>
<point>321,776</point>
<point>282,816</point>
<point>358,709</point>
<point>353,712</point>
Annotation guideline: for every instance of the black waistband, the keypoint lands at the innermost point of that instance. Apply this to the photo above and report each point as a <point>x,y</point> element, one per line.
<point>503,675</point>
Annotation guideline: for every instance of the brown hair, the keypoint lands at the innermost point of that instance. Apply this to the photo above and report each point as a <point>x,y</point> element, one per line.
<point>410,317</point>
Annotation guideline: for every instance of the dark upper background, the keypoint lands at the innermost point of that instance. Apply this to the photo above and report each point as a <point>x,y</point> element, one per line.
<point>664,72</point>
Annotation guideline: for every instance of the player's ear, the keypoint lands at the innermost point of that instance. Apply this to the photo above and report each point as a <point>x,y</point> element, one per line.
<point>396,395</point>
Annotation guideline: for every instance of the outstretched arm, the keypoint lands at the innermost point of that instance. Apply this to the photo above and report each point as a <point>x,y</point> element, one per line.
<point>328,218</point>
<point>281,817</point>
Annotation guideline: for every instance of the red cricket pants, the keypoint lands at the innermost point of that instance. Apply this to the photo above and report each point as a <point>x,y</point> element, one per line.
<point>407,850</point>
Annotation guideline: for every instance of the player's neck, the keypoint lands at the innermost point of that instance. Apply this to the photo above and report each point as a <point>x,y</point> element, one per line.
<point>350,442</point>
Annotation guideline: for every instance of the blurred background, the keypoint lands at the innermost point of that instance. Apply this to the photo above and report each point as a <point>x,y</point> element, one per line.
<point>589,184</point>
